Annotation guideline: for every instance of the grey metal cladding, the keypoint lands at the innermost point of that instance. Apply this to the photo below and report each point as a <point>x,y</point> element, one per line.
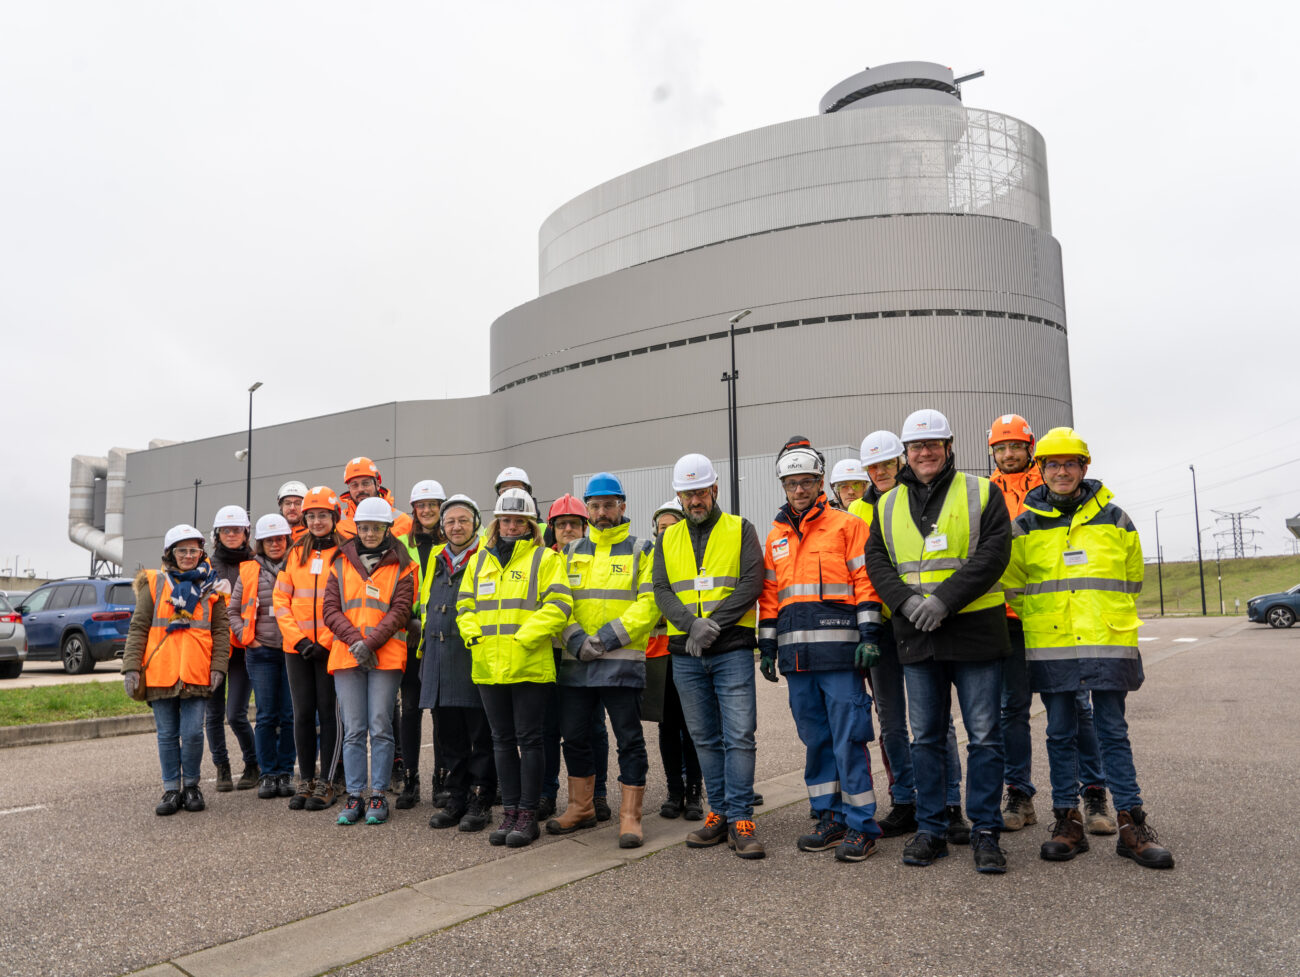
<point>874,162</point>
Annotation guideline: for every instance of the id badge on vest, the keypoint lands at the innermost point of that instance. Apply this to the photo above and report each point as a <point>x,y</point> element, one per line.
<point>703,583</point>
<point>486,587</point>
<point>1075,558</point>
<point>317,565</point>
<point>936,542</point>
<point>372,591</point>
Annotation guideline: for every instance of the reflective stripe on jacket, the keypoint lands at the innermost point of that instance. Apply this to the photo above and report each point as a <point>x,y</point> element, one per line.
<point>817,602</point>
<point>508,615</point>
<point>609,574</point>
<point>924,563</point>
<point>243,605</point>
<point>299,597</point>
<point>183,656</point>
<point>718,572</point>
<point>374,606</point>
<point>1074,581</point>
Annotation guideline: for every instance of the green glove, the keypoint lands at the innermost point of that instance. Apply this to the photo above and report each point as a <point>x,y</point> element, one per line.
<point>767,667</point>
<point>866,655</point>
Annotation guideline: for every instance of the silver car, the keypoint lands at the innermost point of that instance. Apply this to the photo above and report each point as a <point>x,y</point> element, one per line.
<point>13,641</point>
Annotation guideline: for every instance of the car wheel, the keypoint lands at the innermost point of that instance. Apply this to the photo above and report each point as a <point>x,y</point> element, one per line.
<point>76,656</point>
<point>11,669</point>
<point>1280,617</point>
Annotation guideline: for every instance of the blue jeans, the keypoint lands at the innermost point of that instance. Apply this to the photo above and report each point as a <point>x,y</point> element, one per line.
<point>366,703</point>
<point>832,712</point>
<point>1112,739</point>
<point>179,723</point>
<point>718,701</point>
<point>1091,771</point>
<point>273,734</point>
<point>929,701</point>
<point>1016,701</point>
<point>890,692</point>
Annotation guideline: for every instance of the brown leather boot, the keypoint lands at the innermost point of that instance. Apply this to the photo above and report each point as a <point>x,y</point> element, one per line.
<point>629,817</point>
<point>581,812</point>
<point>1067,839</point>
<point>1138,841</point>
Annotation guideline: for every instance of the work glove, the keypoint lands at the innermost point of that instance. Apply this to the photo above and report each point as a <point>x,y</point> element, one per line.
<point>305,648</point>
<point>591,649</point>
<point>866,654</point>
<point>131,682</point>
<point>217,679</point>
<point>704,631</point>
<point>911,606</point>
<point>767,667</point>
<point>364,656</point>
<point>413,634</point>
<point>930,614</point>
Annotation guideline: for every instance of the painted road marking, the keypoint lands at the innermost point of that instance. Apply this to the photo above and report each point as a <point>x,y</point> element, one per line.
<point>20,810</point>
<point>1148,639</point>
<point>1185,639</point>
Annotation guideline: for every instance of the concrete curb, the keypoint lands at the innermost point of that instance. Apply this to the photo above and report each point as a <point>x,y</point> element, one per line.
<point>75,729</point>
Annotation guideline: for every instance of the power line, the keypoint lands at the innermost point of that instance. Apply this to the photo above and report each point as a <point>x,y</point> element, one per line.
<point>1235,532</point>
<point>1233,445</point>
<point>1178,495</point>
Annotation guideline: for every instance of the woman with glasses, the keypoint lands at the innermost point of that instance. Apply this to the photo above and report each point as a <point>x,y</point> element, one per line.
<point>177,649</point>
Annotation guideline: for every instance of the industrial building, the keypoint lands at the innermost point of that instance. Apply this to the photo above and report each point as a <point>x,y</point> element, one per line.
<point>895,249</point>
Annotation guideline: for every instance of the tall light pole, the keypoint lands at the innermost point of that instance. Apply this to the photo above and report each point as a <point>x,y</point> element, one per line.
<point>733,406</point>
<point>197,483</point>
<point>1196,508</point>
<point>1160,576</point>
<point>248,456</point>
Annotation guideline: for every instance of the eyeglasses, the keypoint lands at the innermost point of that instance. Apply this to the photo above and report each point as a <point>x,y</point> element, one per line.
<point>916,447</point>
<point>1070,465</point>
<point>596,505</point>
<point>1004,446</point>
<point>800,484</point>
<point>188,551</point>
<point>692,495</point>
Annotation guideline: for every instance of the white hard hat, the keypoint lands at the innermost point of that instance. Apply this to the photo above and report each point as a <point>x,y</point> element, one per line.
<point>460,499</point>
<point>693,472</point>
<point>880,446</point>
<point>800,461</point>
<point>291,488</point>
<point>272,525</point>
<point>427,491</point>
<point>672,505</point>
<point>926,425</point>
<point>231,515</point>
<point>181,532</point>
<point>373,510</point>
<point>515,502</point>
<point>512,474</point>
<point>848,470</point>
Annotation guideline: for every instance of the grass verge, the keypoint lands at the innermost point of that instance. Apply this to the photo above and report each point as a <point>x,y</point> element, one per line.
<point>57,703</point>
<point>1242,579</point>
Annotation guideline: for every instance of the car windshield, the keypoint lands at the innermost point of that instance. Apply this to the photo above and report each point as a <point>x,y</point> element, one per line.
<point>1295,589</point>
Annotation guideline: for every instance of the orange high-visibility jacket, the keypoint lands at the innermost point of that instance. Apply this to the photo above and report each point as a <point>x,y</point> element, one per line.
<point>1014,488</point>
<point>243,619</point>
<point>300,597</point>
<point>365,600</point>
<point>179,656</point>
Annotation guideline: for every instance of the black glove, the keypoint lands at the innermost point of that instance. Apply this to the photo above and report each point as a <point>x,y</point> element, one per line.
<point>767,666</point>
<point>930,614</point>
<point>413,634</point>
<point>306,648</point>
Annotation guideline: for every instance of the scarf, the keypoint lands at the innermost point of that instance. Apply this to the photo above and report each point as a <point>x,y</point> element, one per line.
<point>453,562</point>
<point>188,589</point>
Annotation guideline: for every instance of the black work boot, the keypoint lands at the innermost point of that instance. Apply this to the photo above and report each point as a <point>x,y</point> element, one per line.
<point>673,807</point>
<point>990,859</point>
<point>410,794</point>
<point>524,831</point>
<point>924,849</point>
<point>478,811</point>
<point>266,787</point>
<point>1067,838</point>
<point>603,812</point>
<point>900,820</point>
<point>545,808</point>
<point>250,777</point>
<point>450,814</point>
<point>192,798</point>
<point>694,809</point>
<point>224,781</point>
<point>170,803</point>
<point>439,792</point>
<point>958,830</point>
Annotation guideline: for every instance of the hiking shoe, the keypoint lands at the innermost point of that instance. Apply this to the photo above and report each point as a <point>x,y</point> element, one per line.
<point>502,832</point>
<point>603,813</point>
<point>377,809</point>
<point>449,815</point>
<point>989,859</point>
<point>409,795</point>
<point>322,795</point>
<point>1067,838</point>
<point>1019,810</point>
<point>478,812</point>
<point>856,847</point>
<point>299,799</point>
<point>170,803</point>
<point>284,785</point>
<point>1096,815</point>
<point>266,787</point>
<point>827,834</point>
<point>224,781</point>
<point>1138,841</point>
<point>712,832</point>
<point>673,807</point>
<point>524,831</point>
<point>742,840</point>
<point>545,808</point>
<point>694,809</point>
<point>351,812</point>
<point>250,778</point>
<point>900,820</point>
<point>924,849</point>
<point>192,798</point>
<point>958,830</point>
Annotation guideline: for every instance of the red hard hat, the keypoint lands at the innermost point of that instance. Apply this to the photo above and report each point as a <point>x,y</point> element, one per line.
<point>1011,427</point>
<point>567,505</point>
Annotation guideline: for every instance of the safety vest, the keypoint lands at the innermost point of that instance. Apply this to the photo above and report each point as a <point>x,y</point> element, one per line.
<point>1016,488</point>
<point>348,509</point>
<point>701,589</point>
<point>184,655</point>
<point>365,602</point>
<point>243,618</point>
<point>299,597</point>
<point>426,578</point>
<point>927,562</point>
<point>508,615</point>
<point>863,509</point>
<point>1074,580</point>
<point>610,578</point>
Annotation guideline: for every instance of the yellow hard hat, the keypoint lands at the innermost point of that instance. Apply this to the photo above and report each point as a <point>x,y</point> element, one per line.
<point>1062,441</point>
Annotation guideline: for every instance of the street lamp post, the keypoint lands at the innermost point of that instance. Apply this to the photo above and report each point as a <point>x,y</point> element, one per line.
<point>1160,576</point>
<point>248,455</point>
<point>197,483</point>
<point>733,406</point>
<point>1200,563</point>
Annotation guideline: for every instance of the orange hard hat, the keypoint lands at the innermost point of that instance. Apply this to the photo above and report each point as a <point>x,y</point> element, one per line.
<point>1011,427</point>
<point>321,497</point>
<point>567,505</point>
<point>362,468</point>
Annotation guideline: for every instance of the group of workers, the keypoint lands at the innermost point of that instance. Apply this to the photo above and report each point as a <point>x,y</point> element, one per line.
<point>909,578</point>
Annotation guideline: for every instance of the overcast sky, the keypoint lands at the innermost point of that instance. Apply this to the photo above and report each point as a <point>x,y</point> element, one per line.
<point>194,196</point>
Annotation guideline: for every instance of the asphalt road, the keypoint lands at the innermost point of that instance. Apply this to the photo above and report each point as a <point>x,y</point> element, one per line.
<point>97,884</point>
<point>37,674</point>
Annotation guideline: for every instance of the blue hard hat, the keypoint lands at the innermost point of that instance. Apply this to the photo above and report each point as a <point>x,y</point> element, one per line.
<point>603,483</point>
